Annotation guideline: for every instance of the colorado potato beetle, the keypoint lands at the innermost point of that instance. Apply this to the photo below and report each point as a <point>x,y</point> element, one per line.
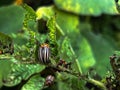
<point>49,80</point>
<point>64,63</point>
<point>44,53</point>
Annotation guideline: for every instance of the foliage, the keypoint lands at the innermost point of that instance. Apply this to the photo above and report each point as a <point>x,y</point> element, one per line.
<point>81,36</point>
<point>87,7</point>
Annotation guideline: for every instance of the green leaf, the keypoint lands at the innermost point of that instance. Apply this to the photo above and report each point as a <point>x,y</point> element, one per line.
<point>67,53</point>
<point>20,38</point>
<point>61,84</point>
<point>6,44</point>
<point>21,71</point>
<point>87,7</point>
<point>118,5</point>
<point>70,82</point>
<point>65,22</point>
<point>52,36</point>
<point>30,15</point>
<point>101,49</point>
<point>45,12</point>
<point>72,31</point>
<point>35,83</point>
<point>5,66</point>
<point>11,19</point>
<point>86,56</point>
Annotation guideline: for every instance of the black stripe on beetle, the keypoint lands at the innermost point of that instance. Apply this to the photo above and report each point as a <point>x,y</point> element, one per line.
<point>44,53</point>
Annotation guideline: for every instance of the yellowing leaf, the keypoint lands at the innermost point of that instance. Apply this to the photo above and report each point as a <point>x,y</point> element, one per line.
<point>87,7</point>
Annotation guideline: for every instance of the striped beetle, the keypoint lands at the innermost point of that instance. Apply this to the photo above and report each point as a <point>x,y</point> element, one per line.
<point>44,53</point>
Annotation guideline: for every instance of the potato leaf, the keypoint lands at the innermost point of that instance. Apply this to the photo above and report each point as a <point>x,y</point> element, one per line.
<point>35,83</point>
<point>9,15</point>
<point>88,7</point>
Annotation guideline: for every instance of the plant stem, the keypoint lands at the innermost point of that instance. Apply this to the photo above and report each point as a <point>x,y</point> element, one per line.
<point>96,83</point>
<point>80,76</point>
<point>76,60</point>
<point>60,30</point>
